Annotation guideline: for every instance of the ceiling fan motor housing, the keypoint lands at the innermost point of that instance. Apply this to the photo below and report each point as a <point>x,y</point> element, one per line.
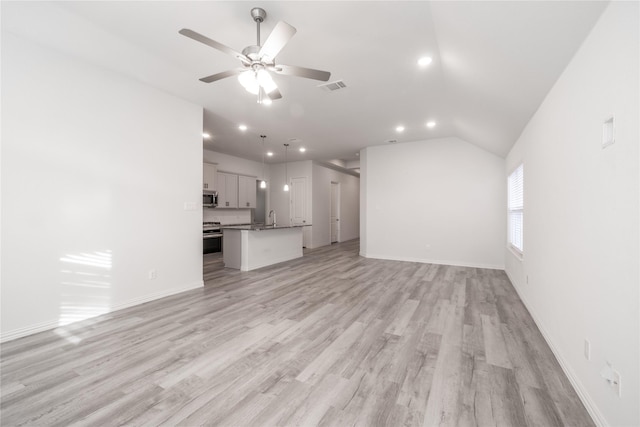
<point>251,52</point>
<point>258,14</point>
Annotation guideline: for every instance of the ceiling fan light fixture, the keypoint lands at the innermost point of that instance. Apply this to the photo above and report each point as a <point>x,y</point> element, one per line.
<point>265,80</point>
<point>259,59</point>
<point>249,81</point>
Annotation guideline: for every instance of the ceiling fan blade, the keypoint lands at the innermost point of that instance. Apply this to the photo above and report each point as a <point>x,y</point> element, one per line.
<point>214,44</point>
<point>278,38</point>
<point>309,73</point>
<point>275,94</point>
<point>222,75</point>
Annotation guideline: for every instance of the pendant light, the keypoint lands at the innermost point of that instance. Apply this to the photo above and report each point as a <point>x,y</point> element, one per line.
<point>263,183</point>
<point>286,182</point>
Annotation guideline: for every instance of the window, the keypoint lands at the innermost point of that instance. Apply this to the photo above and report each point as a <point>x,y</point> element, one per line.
<point>515,205</point>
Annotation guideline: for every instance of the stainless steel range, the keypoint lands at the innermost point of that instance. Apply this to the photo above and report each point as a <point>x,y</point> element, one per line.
<point>212,237</point>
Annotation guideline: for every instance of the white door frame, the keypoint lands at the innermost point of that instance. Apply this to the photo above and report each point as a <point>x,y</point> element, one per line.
<point>293,220</point>
<point>335,186</point>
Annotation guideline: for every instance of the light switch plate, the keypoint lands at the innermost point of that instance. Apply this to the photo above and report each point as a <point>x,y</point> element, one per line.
<point>608,132</point>
<point>587,349</point>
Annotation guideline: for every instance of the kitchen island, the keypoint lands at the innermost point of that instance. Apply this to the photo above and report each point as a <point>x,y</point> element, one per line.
<point>247,247</point>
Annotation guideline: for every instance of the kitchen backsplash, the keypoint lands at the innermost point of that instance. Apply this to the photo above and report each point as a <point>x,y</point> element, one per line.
<point>227,216</point>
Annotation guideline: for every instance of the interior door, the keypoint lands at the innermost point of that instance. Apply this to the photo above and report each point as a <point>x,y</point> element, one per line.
<point>335,212</point>
<point>299,201</point>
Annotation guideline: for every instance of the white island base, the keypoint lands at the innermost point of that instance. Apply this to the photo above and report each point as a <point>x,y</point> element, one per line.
<point>253,248</point>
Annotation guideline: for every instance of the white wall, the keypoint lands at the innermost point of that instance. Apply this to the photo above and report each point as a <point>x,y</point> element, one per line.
<point>349,205</point>
<point>438,201</point>
<point>233,164</point>
<point>581,244</point>
<point>96,169</point>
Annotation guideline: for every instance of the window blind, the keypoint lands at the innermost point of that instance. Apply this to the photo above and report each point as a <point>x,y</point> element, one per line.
<point>516,207</point>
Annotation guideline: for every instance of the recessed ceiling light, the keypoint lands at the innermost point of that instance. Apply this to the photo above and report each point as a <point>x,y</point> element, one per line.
<point>424,61</point>
<point>431,124</point>
<point>267,101</point>
<point>269,153</point>
<point>242,127</point>
<point>302,149</point>
<point>400,129</point>
<point>206,135</point>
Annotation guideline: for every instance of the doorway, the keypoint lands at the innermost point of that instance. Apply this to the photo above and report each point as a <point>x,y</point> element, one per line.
<point>335,212</point>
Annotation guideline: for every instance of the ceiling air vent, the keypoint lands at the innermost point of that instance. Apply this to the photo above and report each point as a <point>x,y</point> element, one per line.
<point>333,86</point>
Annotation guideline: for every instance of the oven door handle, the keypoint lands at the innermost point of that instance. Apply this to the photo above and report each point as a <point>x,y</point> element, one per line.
<point>211,235</point>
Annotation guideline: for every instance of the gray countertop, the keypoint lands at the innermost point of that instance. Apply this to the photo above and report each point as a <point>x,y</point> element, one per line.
<point>259,227</point>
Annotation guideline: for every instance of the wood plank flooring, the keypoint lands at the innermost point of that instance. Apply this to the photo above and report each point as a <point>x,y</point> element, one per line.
<point>331,339</point>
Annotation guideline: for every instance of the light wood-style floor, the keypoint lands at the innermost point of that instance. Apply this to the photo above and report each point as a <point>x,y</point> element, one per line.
<point>331,339</point>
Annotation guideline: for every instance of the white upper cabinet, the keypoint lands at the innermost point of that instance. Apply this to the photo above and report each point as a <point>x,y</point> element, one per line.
<point>209,172</point>
<point>246,191</point>
<point>227,190</point>
<point>236,191</point>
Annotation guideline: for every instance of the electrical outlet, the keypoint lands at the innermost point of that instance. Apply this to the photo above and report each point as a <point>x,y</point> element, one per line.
<point>153,274</point>
<point>612,377</point>
<point>587,349</point>
<point>608,132</point>
<point>617,386</point>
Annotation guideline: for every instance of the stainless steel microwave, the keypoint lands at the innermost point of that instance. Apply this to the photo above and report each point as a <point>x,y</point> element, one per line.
<point>209,199</point>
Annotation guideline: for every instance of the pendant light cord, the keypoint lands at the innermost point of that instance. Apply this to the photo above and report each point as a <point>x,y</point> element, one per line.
<point>263,137</point>
<point>286,174</point>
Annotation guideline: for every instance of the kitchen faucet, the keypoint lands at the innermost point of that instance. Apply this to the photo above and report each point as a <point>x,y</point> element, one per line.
<point>272,212</point>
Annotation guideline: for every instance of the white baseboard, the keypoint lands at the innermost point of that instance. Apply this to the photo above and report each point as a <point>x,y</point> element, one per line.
<point>28,330</point>
<point>434,261</point>
<point>584,396</point>
<point>157,295</point>
<point>52,324</point>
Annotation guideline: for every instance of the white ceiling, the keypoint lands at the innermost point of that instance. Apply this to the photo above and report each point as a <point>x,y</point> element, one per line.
<point>493,63</point>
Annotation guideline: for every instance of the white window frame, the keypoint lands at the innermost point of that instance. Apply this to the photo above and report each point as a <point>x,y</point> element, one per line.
<point>515,210</point>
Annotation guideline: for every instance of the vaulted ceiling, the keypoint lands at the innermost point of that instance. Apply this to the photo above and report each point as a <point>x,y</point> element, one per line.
<point>493,63</point>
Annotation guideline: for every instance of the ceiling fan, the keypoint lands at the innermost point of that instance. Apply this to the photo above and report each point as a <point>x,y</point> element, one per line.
<point>257,61</point>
